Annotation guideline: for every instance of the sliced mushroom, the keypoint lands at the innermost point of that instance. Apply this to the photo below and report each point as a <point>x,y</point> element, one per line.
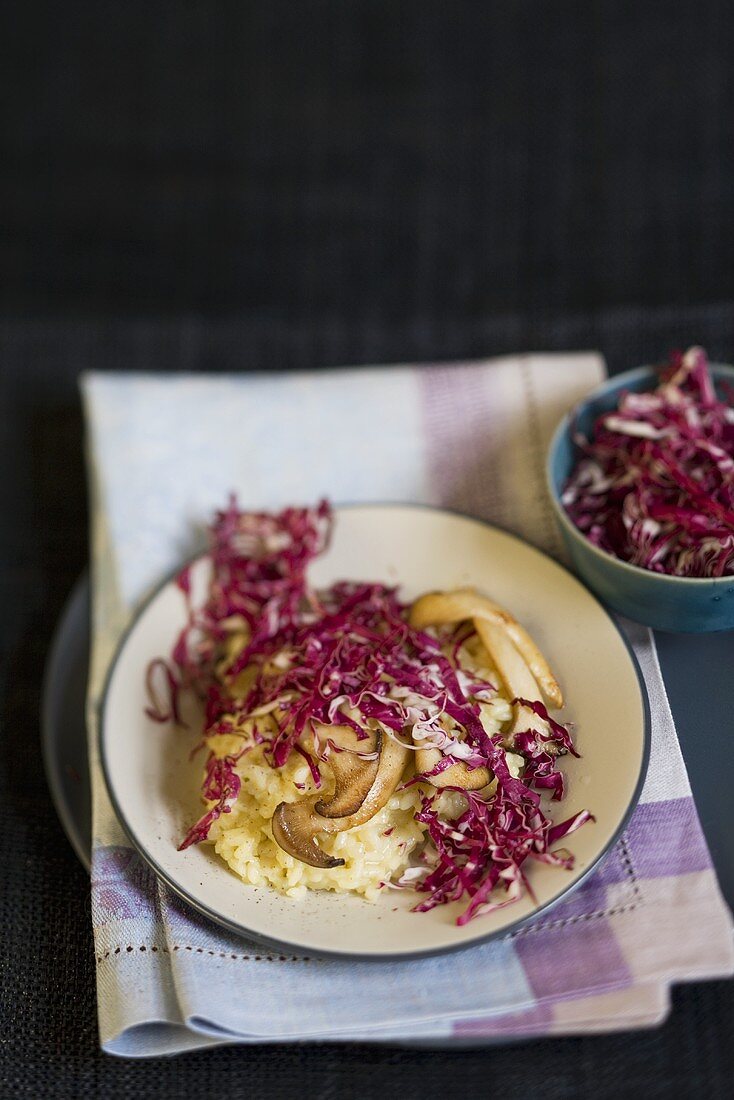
<point>457,775</point>
<point>297,824</point>
<point>466,603</point>
<point>536,662</point>
<point>517,678</point>
<point>514,653</point>
<point>393,758</point>
<point>295,831</point>
<point>354,775</point>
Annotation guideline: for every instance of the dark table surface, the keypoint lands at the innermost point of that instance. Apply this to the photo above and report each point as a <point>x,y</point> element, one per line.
<point>277,186</point>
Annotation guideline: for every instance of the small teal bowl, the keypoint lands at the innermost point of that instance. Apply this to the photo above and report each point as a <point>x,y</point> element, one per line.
<point>679,604</point>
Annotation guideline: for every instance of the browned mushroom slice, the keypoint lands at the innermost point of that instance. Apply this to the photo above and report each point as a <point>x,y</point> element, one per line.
<point>391,765</point>
<point>512,650</point>
<point>457,775</point>
<point>354,776</point>
<point>517,678</point>
<point>293,829</point>
<point>466,603</point>
<point>533,658</point>
<point>297,824</point>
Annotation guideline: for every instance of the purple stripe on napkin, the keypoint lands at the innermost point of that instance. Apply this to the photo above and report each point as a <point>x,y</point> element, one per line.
<point>123,887</point>
<point>555,967</point>
<point>663,838</point>
<point>459,439</point>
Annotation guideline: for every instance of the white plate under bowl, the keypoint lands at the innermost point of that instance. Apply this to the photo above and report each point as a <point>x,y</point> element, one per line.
<point>155,787</point>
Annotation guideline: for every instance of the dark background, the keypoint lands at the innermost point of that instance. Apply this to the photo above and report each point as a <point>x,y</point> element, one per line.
<point>233,186</point>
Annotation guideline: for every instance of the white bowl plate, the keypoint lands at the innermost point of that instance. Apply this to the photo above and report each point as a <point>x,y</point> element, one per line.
<point>155,786</point>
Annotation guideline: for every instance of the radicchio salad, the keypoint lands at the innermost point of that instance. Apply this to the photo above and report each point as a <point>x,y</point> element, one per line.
<point>358,742</point>
<point>655,482</point>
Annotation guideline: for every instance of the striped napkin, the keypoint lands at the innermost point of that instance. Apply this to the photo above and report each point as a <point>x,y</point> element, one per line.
<point>164,452</point>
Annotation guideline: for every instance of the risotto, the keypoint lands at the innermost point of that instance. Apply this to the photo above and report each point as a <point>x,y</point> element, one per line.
<point>374,854</point>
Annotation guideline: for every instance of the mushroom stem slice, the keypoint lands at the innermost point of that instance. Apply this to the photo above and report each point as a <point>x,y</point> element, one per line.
<point>534,659</point>
<point>354,776</point>
<point>513,652</point>
<point>467,603</point>
<point>457,775</point>
<point>293,830</point>
<point>437,607</point>
<point>517,678</point>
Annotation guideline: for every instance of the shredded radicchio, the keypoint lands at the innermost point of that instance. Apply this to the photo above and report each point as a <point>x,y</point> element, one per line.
<point>487,846</point>
<point>221,786</point>
<point>347,656</point>
<point>655,485</point>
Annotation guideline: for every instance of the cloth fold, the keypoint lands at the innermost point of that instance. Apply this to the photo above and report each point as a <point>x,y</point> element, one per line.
<point>164,451</point>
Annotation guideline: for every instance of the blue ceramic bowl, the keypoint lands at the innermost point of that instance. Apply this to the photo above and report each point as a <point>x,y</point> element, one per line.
<point>669,603</point>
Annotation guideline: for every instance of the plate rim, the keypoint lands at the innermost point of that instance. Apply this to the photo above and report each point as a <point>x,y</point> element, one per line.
<point>77,600</point>
<point>278,944</point>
